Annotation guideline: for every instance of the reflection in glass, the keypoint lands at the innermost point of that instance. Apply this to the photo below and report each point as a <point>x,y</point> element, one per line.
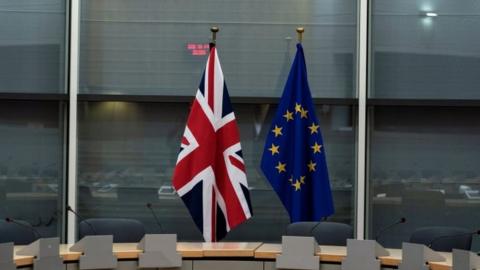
<point>127,152</point>
<point>32,46</point>
<point>419,55</point>
<point>424,167</point>
<point>159,47</point>
<point>31,164</point>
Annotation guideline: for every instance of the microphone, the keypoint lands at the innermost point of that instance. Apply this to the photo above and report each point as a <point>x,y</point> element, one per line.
<point>149,206</point>
<point>82,219</point>
<point>430,244</point>
<point>316,225</point>
<point>27,226</point>
<point>386,228</point>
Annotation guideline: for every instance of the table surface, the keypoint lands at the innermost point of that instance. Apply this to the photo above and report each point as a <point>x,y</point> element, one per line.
<point>254,250</point>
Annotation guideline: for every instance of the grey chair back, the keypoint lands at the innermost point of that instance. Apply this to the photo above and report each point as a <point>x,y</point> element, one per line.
<point>123,230</point>
<point>443,238</point>
<point>18,234</point>
<point>325,232</point>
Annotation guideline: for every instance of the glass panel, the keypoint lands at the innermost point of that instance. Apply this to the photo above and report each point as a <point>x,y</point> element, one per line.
<point>32,46</point>
<point>159,47</point>
<point>423,166</point>
<point>31,164</point>
<point>426,49</point>
<point>127,152</point>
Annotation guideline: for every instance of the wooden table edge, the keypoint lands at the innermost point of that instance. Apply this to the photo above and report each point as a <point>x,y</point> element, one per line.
<point>265,255</point>
<point>191,254</point>
<point>331,258</point>
<point>228,253</point>
<point>19,262</point>
<point>438,266</point>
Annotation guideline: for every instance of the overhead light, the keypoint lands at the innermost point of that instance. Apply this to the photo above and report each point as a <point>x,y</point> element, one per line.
<point>431,14</point>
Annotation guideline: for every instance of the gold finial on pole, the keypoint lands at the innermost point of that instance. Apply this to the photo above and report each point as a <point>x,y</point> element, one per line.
<point>300,31</point>
<point>214,30</point>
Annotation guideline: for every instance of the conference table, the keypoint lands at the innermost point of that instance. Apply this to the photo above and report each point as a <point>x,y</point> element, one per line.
<point>227,256</point>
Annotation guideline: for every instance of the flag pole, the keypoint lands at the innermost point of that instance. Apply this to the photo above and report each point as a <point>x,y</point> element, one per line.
<point>300,31</point>
<point>214,31</point>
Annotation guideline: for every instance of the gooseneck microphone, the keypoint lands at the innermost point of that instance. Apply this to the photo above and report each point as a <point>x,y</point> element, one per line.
<point>82,219</point>
<point>430,244</point>
<point>388,227</point>
<point>316,225</point>
<point>149,206</point>
<point>25,225</point>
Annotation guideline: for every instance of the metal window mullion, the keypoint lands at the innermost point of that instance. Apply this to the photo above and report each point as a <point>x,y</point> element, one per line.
<point>72,128</point>
<point>362,80</point>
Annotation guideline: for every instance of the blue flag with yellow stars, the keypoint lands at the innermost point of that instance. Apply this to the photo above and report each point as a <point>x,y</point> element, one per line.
<point>294,155</point>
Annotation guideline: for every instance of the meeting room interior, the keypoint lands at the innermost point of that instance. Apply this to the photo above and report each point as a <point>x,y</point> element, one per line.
<point>239,134</point>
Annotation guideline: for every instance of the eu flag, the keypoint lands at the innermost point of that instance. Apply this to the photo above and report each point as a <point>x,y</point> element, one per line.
<point>294,155</point>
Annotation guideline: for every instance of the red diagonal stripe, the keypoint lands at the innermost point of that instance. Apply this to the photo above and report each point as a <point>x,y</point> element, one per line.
<point>237,163</point>
<point>185,141</point>
<point>234,211</point>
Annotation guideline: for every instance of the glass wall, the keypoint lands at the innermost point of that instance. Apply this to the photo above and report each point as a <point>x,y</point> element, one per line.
<point>423,116</point>
<point>160,47</point>
<point>32,46</point>
<point>32,113</point>
<point>32,163</point>
<point>425,49</point>
<point>423,168</point>
<point>127,152</point>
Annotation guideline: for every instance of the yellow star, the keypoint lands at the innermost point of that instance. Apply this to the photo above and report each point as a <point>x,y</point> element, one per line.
<point>316,148</point>
<point>281,167</point>
<point>303,113</point>
<point>298,107</point>
<point>288,115</point>
<point>274,149</point>
<point>311,166</point>
<point>297,185</point>
<point>313,128</point>
<point>277,131</point>
<point>302,179</point>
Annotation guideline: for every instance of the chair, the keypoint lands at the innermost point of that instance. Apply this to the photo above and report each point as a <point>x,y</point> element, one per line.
<point>18,234</point>
<point>443,238</point>
<point>123,230</point>
<point>326,233</point>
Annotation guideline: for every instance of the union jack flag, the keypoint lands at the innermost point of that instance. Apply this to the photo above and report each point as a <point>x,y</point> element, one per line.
<point>210,172</point>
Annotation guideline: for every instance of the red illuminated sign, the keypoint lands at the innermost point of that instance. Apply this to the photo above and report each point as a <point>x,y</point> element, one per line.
<point>198,49</point>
